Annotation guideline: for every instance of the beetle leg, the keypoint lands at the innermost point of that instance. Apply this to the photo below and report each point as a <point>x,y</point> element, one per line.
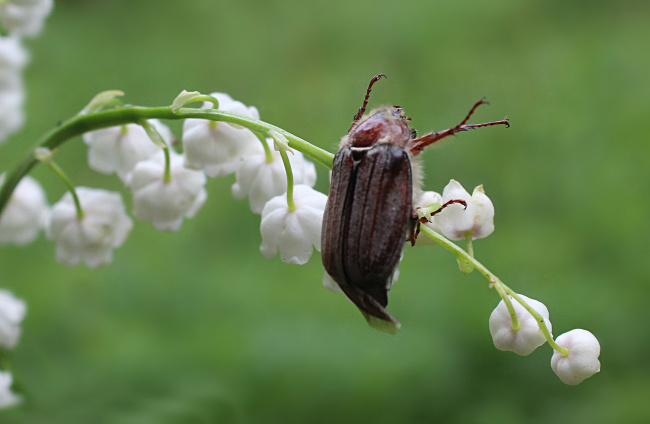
<point>414,225</point>
<point>451,202</point>
<point>362,109</point>
<point>420,143</point>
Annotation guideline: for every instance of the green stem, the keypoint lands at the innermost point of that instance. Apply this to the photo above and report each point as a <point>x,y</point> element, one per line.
<point>515,324</point>
<point>135,114</point>
<point>167,176</point>
<point>59,172</point>
<point>495,282</point>
<point>267,149</point>
<point>287,166</point>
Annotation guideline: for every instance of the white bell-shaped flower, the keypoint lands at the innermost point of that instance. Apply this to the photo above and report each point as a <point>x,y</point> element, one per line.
<point>118,149</point>
<point>12,116</point>
<point>91,239</point>
<point>581,362</point>
<point>12,313</point>
<point>294,233</point>
<point>218,147</point>
<point>25,214</point>
<point>260,180</point>
<point>13,56</point>
<point>166,203</point>
<point>24,17</point>
<point>454,221</point>
<point>528,337</point>
<point>7,397</point>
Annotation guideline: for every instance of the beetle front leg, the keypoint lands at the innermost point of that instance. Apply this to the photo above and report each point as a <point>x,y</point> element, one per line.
<point>415,221</point>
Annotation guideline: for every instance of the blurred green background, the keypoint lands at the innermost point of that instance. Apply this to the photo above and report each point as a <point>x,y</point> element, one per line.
<point>197,327</point>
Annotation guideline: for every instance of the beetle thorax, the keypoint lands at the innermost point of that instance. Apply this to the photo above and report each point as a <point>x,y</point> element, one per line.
<point>386,125</point>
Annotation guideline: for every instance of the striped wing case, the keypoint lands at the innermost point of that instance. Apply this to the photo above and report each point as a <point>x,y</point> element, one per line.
<point>365,223</point>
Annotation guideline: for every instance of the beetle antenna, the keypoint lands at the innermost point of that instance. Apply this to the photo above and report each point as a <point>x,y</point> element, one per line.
<point>420,143</point>
<point>362,109</point>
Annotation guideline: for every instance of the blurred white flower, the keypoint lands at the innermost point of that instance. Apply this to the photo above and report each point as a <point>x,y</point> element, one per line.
<point>24,17</point>
<point>582,361</point>
<point>25,214</point>
<point>165,203</point>
<point>218,147</point>
<point>454,221</point>
<point>12,312</point>
<point>7,397</point>
<point>260,180</point>
<point>12,116</point>
<point>118,149</point>
<point>91,239</point>
<point>293,233</point>
<point>13,56</point>
<point>529,337</point>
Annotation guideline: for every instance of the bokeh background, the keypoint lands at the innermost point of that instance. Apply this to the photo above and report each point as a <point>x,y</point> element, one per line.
<point>197,327</point>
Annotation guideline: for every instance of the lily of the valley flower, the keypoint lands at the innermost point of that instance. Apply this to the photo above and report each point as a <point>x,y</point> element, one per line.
<point>166,203</point>
<point>528,337</point>
<point>12,312</point>
<point>260,180</point>
<point>118,149</point>
<point>7,397</point>
<point>293,233</point>
<point>25,214</point>
<point>581,362</point>
<point>218,147</point>
<point>24,17</point>
<point>91,238</point>
<point>454,222</point>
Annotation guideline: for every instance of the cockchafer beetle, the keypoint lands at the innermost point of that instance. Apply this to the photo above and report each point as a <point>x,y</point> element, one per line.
<point>369,213</point>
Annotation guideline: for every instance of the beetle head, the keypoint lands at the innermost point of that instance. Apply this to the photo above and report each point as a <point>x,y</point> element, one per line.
<point>383,125</point>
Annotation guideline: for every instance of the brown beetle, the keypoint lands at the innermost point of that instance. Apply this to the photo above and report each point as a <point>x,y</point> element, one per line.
<point>369,213</point>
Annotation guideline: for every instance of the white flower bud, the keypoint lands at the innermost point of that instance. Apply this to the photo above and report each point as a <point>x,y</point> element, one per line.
<point>454,221</point>
<point>118,149</point>
<point>260,180</point>
<point>7,397</point>
<point>25,214</point>
<point>218,147</point>
<point>293,233</point>
<point>581,362</point>
<point>166,203</point>
<point>12,312</point>
<point>24,17</point>
<point>527,338</point>
<point>91,239</point>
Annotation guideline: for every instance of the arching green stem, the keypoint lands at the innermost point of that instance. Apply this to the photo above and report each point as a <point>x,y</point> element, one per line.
<point>135,114</point>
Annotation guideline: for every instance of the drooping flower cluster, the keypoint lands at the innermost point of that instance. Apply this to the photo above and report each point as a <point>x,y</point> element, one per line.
<point>17,18</point>
<point>12,312</point>
<point>512,324</point>
<point>167,187</point>
<point>575,355</point>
